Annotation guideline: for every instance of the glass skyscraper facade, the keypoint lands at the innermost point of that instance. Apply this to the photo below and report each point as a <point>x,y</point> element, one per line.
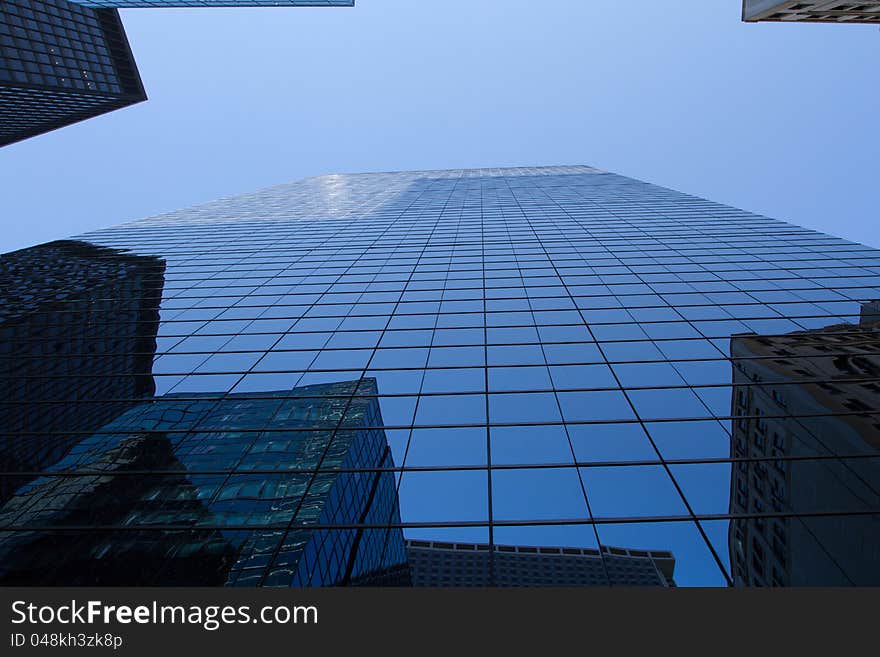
<point>443,564</point>
<point>276,507</point>
<point>215,3</point>
<point>61,63</point>
<point>64,61</point>
<point>50,297</point>
<point>557,367</point>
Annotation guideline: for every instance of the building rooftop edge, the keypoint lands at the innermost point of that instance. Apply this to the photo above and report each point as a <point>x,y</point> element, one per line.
<point>499,171</point>
<point>528,549</point>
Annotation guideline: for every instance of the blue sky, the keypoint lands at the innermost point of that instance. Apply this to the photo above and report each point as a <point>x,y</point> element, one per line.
<point>773,118</point>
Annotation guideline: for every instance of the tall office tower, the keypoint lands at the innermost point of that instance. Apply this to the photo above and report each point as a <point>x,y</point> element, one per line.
<point>70,308</point>
<point>807,440</point>
<point>550,352</point>
<point>261,488</point>
<point>441,564</point>
<point>61,63</point>
<point>812,11</point>
<point>64,61</point>
<point>215,3</point>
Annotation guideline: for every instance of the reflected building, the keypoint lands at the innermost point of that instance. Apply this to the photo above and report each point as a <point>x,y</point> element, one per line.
<point>443,564</point>
<point>103,492</point>
<point>61,63</point>
<point>71,309</point>
<point>812,11</point>
<point>490,359</point>
<point>808,440</point>
<point>267,489</point>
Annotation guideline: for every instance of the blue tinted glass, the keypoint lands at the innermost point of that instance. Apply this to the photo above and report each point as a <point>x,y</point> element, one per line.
<point>574,377</point>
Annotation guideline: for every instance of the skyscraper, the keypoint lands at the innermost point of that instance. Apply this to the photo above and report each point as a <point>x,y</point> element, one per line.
<point>550,355</point>
<point>71,308</point>
<point>244,490</point>
<point>215,3</point>
<point>61,63</point>
<point>816,386</point>
<point>64,61</point>
<point>812,11</point>
<point>440,564</point>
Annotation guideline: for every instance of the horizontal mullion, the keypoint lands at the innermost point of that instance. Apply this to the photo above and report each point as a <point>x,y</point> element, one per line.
<point>598,520</point>
<point>341,428</point>
<point>255,396</point>
<point>233,472</point>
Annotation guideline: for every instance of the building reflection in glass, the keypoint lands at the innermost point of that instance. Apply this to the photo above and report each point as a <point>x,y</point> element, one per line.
<point>807,444</point>
<point>243,489</point>
<point>71,309</point>
<point>442,564</point>
<point>551,351</point>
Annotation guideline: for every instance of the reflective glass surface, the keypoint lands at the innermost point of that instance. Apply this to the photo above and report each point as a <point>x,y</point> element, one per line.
<point>215,3</point>
<point>501,377</point>
<point>61,63</point>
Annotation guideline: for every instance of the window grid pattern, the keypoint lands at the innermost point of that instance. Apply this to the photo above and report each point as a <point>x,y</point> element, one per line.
<point>158,4</point>
<point>555,357</point>
<point>813,11</point>
<point>61,63</point>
